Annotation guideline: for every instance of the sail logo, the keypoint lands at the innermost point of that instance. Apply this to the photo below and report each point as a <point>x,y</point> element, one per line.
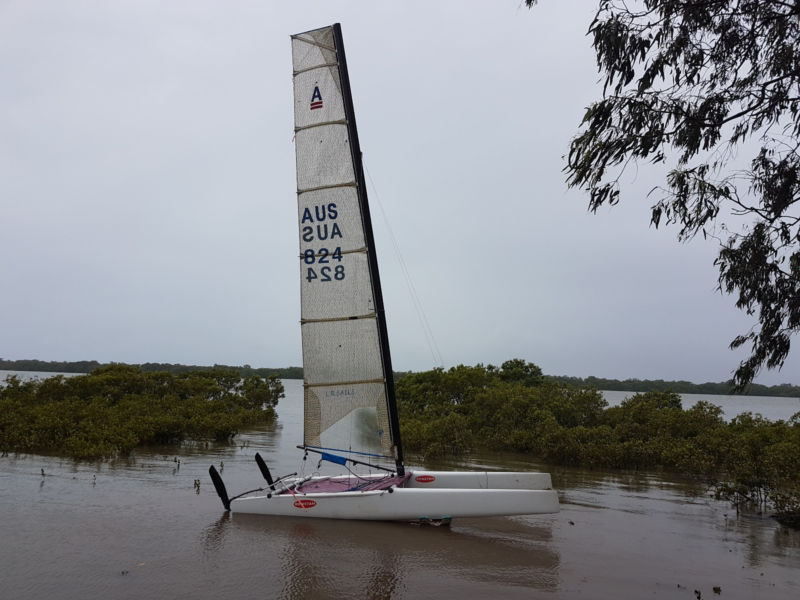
<point>424,478</point>
<point>305,504</point>
<point>336,393</point>
<point>316,99</point>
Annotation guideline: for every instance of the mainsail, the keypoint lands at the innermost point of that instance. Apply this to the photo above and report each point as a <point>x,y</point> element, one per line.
<point>349,389</point>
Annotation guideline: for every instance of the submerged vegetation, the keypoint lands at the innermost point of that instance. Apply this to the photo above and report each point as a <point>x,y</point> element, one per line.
<point>749,460</point>
<point>117,408</point>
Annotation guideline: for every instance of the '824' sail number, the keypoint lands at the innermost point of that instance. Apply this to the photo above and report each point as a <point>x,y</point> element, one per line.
<point>323,269</point>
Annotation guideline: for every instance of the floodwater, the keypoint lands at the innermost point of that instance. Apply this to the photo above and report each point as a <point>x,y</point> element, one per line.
<point>140,528</point>
<point>773,408</point>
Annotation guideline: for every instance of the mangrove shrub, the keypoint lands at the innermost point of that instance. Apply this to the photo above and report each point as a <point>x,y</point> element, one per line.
<point>114,409</point>
<point>749,460</point>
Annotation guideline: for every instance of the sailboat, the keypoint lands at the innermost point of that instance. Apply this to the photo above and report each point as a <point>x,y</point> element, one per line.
<point>350,409</point>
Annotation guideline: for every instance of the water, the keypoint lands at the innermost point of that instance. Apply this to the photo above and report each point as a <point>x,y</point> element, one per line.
<point>28,375</point>
<point>140,529</point>
<point>770,407</point>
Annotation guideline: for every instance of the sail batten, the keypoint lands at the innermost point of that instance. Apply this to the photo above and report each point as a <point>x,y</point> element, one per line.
<point>312,125</point>
<point>348,387</point>
<point>310,385</point>
<point>330,186</point>
<point>313,42</point>
<point>306,70</point>
<point>330,319</point>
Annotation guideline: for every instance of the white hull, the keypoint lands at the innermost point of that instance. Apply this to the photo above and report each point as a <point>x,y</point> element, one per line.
<point>427,496</point>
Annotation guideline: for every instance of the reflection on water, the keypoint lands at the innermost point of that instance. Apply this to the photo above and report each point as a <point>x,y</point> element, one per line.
<point>214,535</point>
<point>138,528</point>
<point>380,556</point>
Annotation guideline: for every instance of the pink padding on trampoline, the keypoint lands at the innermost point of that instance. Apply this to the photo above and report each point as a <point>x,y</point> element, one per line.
<point>350,484</point>
<point>386,483</point>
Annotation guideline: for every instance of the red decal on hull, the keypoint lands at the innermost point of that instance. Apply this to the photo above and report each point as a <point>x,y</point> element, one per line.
<point>424,478</point>
<point>305,503</point>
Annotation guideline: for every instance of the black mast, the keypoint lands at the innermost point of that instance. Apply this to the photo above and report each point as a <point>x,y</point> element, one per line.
<point>370,241</point>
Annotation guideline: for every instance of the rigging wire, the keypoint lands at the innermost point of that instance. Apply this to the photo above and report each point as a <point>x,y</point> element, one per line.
<point>433,347</point>
<point>357,476</point>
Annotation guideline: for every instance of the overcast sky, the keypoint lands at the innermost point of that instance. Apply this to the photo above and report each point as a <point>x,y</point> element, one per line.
<point>148,207</point>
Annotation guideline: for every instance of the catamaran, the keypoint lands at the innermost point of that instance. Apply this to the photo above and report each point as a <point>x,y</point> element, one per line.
<point>350,409</point>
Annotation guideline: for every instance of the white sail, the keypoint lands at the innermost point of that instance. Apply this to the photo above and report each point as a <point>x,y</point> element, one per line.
<point>349,389</point>
<point>345,387</point>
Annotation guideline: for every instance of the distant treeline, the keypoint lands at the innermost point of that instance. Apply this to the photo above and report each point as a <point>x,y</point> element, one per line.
<point>677,387</point>
<point>87,366</point>
<point>599,383</point>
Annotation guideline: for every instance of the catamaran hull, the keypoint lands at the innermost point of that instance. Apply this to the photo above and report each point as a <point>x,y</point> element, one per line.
<point>422,499</point>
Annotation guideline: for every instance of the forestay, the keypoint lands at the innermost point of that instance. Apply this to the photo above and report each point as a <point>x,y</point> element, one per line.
<point>346,399</point>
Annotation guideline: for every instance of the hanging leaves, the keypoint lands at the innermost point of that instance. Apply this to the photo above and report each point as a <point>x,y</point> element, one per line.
<point>697,86</point>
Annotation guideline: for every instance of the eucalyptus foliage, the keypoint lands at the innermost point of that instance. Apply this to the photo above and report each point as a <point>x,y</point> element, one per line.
<point>710,90</point>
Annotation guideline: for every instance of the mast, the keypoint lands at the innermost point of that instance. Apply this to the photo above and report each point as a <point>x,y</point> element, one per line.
<point>372,259</point>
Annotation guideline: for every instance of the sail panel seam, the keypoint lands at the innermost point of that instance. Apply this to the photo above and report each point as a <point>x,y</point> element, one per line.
<point>304,127</point>
<point>327,187</point>
<point>334,319</point>
<point>380,380</point>
<point>361,250</point>
<point>313,42</point>
<point>307,69</point>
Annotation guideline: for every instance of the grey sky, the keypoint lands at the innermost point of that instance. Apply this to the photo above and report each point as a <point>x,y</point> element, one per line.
<point>148,208</point>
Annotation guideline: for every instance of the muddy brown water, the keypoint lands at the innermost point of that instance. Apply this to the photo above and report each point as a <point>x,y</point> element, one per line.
<point>140,528</point>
